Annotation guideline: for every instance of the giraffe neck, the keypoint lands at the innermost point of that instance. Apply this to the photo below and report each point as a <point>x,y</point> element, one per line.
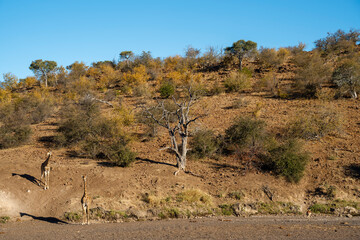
<point>85,190</point>
<point>47,160</point>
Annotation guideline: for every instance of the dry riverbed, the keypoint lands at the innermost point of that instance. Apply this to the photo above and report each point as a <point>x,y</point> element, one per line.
<point>256,227</point>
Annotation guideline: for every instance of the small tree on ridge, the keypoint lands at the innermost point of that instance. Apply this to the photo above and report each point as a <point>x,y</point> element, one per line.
<point>43,69</point>
<point>241,49</point>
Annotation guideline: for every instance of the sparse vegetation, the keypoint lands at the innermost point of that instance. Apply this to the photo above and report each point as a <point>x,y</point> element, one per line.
<point>271,83</point>
<point>333,207</point>
<point>278,208</point>
<point>95,134</point>
<point>226,209</point>
<point>237,82</point>
<point>245,132</point>
<point>72,216</point>
<point>272,58</point>
<point>347,76</point>
<point>287,159</point>
<point>194,196</point>
<point>238,195</point>
<point>338,42</point>
<point>167,89</point>
<point>315,124</point>
<point>4,219</point>
<point>203,144</point>
<point>14,126</point>
<point>92,108</point>
<point>98,214</point>
<point>311,74</point>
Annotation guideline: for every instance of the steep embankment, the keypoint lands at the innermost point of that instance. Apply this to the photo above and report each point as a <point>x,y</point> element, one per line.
<point>149,186</point>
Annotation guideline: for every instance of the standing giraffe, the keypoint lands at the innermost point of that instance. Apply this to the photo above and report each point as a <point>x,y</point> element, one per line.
<point>45,171</point>
<point>85,203</point>
<point>308,213</point>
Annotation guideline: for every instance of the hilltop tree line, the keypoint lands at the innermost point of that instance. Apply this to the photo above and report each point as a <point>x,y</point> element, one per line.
<point>333,62</point>
<point>330,70</point>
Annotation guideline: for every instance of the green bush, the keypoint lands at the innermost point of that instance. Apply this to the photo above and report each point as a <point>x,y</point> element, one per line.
<point>173,213</point>
<point>226,209</point>
<point>203,144</point>
<point>72,216</point>
<point>288,160</point>
<point>4,219</point>
<point>270,58</point>
<point>16,117</point>
<point>238,195</point>
<point>95,135</point>
<point>120,155</point>
<point>245,131</point>
<point>311,74</point>
<point>277,208</point>
<point>77,125</point>
<point>167,89</point>
<point>248,72</point>
<point>338,42</point>
<point>14,126</point>
<point>14,136</point>
<point>330,207</point>
<point>237,82</point>
<point>347,76</point>
<point>37,109</point>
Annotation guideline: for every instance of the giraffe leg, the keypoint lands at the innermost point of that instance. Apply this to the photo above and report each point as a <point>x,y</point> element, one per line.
<point>84,214</point>
<point>45,177</point>
<point>48,180</point>
<point>41,178</point>
<point>88,214</point>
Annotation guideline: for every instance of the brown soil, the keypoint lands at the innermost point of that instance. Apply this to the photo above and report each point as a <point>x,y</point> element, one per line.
<point>335,161</point>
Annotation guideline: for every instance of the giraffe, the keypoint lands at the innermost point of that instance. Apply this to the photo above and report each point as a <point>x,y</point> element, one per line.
<point>308,213</point>
<point>85,203</point>
<point>45,171</point>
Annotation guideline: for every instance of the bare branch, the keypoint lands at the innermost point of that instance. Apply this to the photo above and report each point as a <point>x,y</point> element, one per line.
<point>91,98</point>
<point>194,119</point>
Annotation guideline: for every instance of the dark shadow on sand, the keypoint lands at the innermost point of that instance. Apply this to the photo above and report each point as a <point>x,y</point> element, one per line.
<point>139,160</point>
<point>219,166</point>
<point>352,170</point>
<point>44,219</point>
<point>154,162</point>
<point>28,177</point>
<point>48,141</point>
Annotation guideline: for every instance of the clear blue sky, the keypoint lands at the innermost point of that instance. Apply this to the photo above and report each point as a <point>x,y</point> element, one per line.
<point>78,30</point>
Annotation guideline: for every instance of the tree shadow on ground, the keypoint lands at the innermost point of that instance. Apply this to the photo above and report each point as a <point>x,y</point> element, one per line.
<point>45,219</point>
<point>106,164</point>
<point>219,166</point>
<point>48,141</point>
<point>352,170</point>
<point>74,154</point>
<point>154,162</point>
<point>28,177</point>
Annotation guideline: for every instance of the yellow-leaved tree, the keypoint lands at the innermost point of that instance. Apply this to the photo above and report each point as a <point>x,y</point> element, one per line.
<point>136,77</point>
<point>104,75</point>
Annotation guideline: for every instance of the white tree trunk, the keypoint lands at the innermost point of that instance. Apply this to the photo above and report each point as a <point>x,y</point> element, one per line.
<point>353,94</point>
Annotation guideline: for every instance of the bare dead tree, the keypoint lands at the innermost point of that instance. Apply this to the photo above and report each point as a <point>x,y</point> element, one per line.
<point>180,127</point>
